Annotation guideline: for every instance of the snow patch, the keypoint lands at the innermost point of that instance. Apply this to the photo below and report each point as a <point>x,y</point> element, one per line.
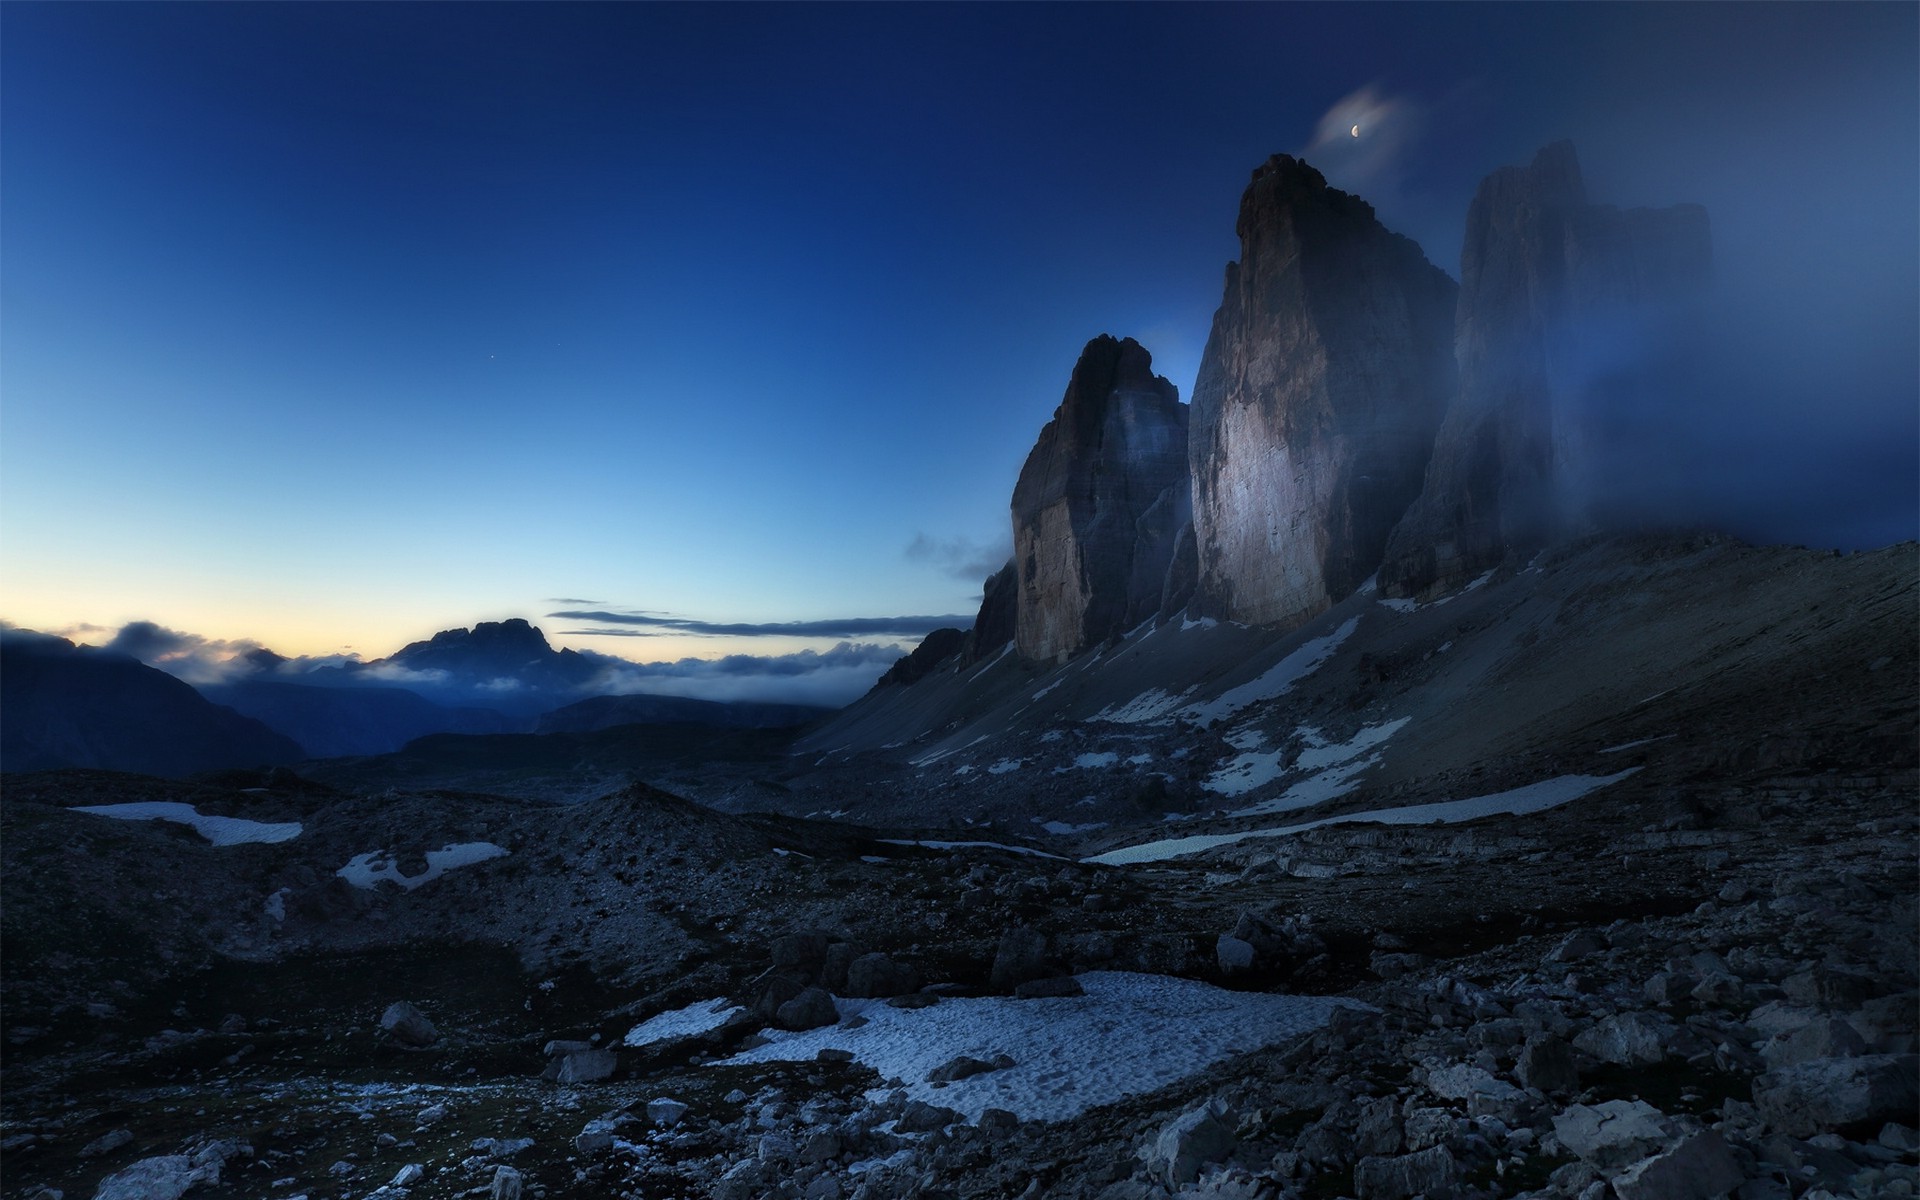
<point>1103,758</point>
<point>1062,1047</point>
<point>1636,745</point>
<point>1534,797</point>
<point>365,870</point>
<point>1276,681</point>
<point>221,831</point>
<point>700,1017</point>
<point>1152,707</point>
<point>1400,605</point>
<point>1005,765</point>
<point>966,846</point>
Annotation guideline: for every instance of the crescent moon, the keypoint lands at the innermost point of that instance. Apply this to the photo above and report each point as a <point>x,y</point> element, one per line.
<point>1356,131</point>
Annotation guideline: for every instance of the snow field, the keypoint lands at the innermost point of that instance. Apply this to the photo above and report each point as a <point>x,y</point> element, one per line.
<point>220,831</point>
<point>1129,1034</point>
<point>1277,680</point>
<point>365,870</point>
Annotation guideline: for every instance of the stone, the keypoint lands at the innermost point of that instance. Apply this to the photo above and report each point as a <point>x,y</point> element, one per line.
<point>1545,1062</point>
<point>811,1009</point>
<point>1831,987</point>
<point>1613,1134</point>
<point>561,1048</point>
<point>804,949</point>
<point>1324,379</point>
<point>106,1143</point>
<point>1232,953</point>
<point>822,1145</point>
<point>665,1111</point>
<point>1472,1084</point>
<point>920,1117</point>
<point>1022,956</point>
<point>1432,1172</point>
<point>997,1122</point>
<point>1380,1130</point>
<point>588,1066</point>
<point>1829,1093</point>
<point>876,975</point>
<point>1824,1037</point>
<point>507,1184</point>
<point>1543,273</point>
<point>165,1177</point>
<point>1099,504</point>
<point>596,1138</point>
<point>961,1067</point>
<point>408,1175</point>
<point>1052,987</point>
<point>1698,1167</point>
<point>1583,943</point>
<point>408,1025</point>
<point>1177,1151</point>
<point>1630,1039</point>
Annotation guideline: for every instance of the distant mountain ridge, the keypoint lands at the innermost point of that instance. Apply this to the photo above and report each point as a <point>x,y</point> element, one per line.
<point>76,706</point>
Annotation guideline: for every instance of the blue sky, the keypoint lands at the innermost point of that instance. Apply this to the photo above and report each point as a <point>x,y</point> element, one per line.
<point>334,325</point>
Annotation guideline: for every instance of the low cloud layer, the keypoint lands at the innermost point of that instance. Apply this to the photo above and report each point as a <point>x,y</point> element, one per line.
<point>644,624</point>
<point>831,677</point>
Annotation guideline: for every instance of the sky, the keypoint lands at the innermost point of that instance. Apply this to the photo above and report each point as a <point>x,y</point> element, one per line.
<point>328,326</point>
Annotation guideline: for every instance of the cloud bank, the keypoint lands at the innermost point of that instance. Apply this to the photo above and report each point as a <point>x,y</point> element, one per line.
<point>644,624</point>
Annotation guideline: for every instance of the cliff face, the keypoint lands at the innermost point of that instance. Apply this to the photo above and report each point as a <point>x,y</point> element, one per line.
<point>1327,373</point>
<point>1099,504</point>
<point>1545,278</point>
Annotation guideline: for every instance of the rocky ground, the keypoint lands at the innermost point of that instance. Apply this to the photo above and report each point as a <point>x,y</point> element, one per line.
<point>1658,994</point>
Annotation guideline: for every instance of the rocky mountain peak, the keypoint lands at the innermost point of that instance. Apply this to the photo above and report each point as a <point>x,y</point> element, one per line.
<point>1542,273</point>
<point>1099,503</point>
<point>1325,377</point>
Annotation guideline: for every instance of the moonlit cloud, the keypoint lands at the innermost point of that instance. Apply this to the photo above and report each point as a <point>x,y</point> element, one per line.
<point>1376,158</point>
<point>186,656</point>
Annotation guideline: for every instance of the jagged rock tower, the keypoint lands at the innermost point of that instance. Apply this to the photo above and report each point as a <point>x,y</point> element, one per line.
<point>1327,373</point>
<point>1099,504</point>
<point>1542,273</point>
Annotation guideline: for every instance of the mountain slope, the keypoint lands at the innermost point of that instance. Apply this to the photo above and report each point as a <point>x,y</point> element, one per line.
<point>69,706</point>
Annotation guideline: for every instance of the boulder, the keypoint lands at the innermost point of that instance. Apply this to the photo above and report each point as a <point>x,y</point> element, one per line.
<point>665,1111</point>
<point>876,975</point>
<point>1053,987</point>
<point>507,1184</point>
<point>1613,1134</point>
<point>1022,956</point>
<point>811,1009</point>
<point>166,1177</point>
<point>920,1117</point>
<point>1824,1037</point>
<point>408,1025</point>
<point>1545,1062</point>
<point>1432,1172</point>
<point>1830,1093</point>
<point>1629,1039</point>
<point>1324,379</point>
<point>587,1066</point>
<point>1698,1167</point>
<point>1177,1151</point>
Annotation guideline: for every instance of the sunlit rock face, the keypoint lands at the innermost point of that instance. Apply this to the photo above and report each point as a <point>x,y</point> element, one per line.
<point>1558,298</point>
<point>1327,373</point>
<point>1099,504</point>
